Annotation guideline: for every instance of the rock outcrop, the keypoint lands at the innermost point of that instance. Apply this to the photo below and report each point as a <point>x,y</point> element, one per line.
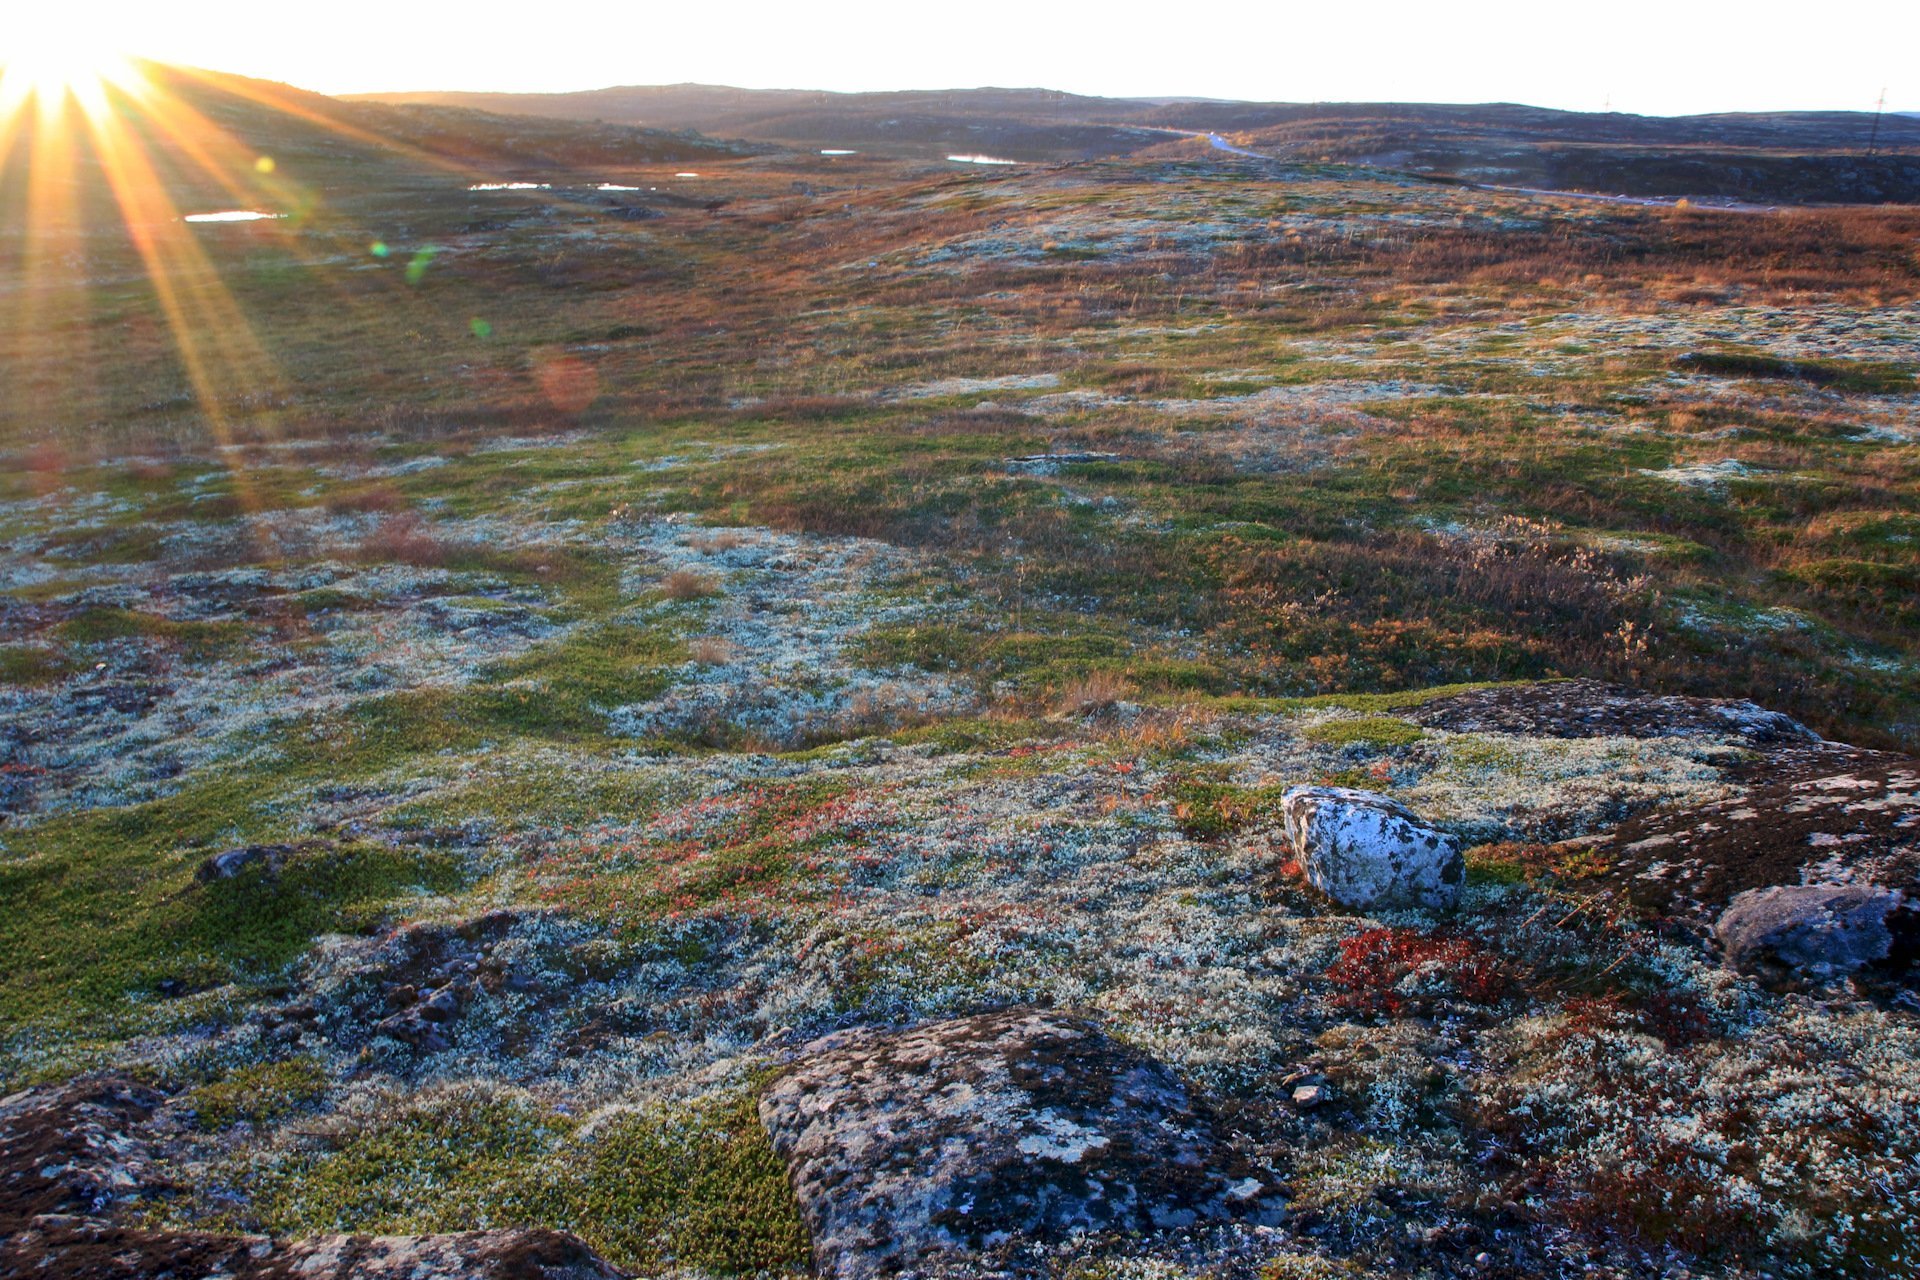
<point>1838,816</point>
<point>1595,709</point>
<point>1814,930</point>
<point>80,1249</point>
<point>1366,851</point>
<point>74,1149</point>
<point>959,1135</point>
<point>72,1159</point>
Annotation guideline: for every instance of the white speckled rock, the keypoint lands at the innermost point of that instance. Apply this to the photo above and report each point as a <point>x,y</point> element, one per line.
<point>907,1147</point>
<point>1366,851</point>
<point>1820,930</point>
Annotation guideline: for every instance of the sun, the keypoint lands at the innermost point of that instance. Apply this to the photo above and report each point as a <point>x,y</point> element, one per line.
<point>55,58</point>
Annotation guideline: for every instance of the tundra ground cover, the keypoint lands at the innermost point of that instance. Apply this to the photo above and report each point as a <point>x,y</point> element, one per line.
<point>909,598</point>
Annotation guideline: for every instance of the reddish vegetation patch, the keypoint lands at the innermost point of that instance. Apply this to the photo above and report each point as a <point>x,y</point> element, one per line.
<point>1373,971</point>
<point>1677,1019</point>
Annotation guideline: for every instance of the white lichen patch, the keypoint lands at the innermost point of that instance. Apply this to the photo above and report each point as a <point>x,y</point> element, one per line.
<point>779,628</point>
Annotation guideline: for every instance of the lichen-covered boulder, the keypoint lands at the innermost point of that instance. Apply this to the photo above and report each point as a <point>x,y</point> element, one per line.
<point>1816,930</point>
<point>1366,851</point>
<point>954,1136</point>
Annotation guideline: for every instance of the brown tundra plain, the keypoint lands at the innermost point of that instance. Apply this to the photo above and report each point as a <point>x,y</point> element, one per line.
<point>583,700</point>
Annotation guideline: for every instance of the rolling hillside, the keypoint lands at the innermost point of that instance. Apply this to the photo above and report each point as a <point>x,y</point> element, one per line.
<point>1787,157</point>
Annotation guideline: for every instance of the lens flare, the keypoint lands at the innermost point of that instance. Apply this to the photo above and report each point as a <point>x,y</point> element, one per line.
<point>53,58</point>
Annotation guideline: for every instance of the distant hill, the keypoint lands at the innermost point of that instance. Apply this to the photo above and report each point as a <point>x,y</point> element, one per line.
<point>206,144</point>
<point>1810,157</point>
<point>286,116</point>
<point>1021,124</point>
<point>1784,157</point>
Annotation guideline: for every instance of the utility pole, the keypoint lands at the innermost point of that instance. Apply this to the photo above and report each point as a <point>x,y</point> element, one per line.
<point>1880,108</point>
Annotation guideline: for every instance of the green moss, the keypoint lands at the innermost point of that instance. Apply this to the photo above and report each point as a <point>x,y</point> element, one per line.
<point>325,599</point>
<point>1471,752</point>
<point>265,1091</point>
<point>454,1162</point>
<point>698,1186</point>
<point>198,640</point>
<point>135,544</point>
<point>1366,703</point>
<point>30,665</point>
<point>1493,864</point>
<point>103,906</point>
<point>1206,808</point>
<point>1376,733</point>
<point>761,853</point>
<point>980,733</point>
<point>564,690</point>
<point>702,1188</point>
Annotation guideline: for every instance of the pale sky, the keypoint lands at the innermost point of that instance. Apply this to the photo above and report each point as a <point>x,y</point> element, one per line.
<point>1649,56</point>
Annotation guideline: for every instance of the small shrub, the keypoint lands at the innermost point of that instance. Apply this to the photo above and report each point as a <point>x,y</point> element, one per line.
<point>1091,694</point>
<point>712,651</point>
<point>1384,971</point>
<point>684,584</point>
<point>404,539</point>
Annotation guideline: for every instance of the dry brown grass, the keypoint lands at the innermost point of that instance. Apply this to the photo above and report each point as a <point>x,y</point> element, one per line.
<point>712,651</point>
<point>684,584</point>
<point>725,540</point>
<point>406,539</point>
<point>1856,252</point>
<point>1091,694</point>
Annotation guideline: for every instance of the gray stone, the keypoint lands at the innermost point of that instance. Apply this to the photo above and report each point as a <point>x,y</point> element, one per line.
<point>954,1136</point>
<point>229,863</point>
<point>1819,930</point>
<point>1366,851</point>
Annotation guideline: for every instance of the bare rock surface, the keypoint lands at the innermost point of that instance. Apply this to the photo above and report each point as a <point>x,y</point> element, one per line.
<point>1818,824</point>
<point>907,1146</point>
<point>1819,930</point>
<point>81,1249</point>
<point>1595,709</point>
<point>73,1149</point>
<point>1367,851</point>
<point>72,1159</point>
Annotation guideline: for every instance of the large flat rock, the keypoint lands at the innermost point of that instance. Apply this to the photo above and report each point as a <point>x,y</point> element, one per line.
<point>950,1137</point>
<point>1595,709</point>
<point>1853,820</point>
<point>1819,930</point>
